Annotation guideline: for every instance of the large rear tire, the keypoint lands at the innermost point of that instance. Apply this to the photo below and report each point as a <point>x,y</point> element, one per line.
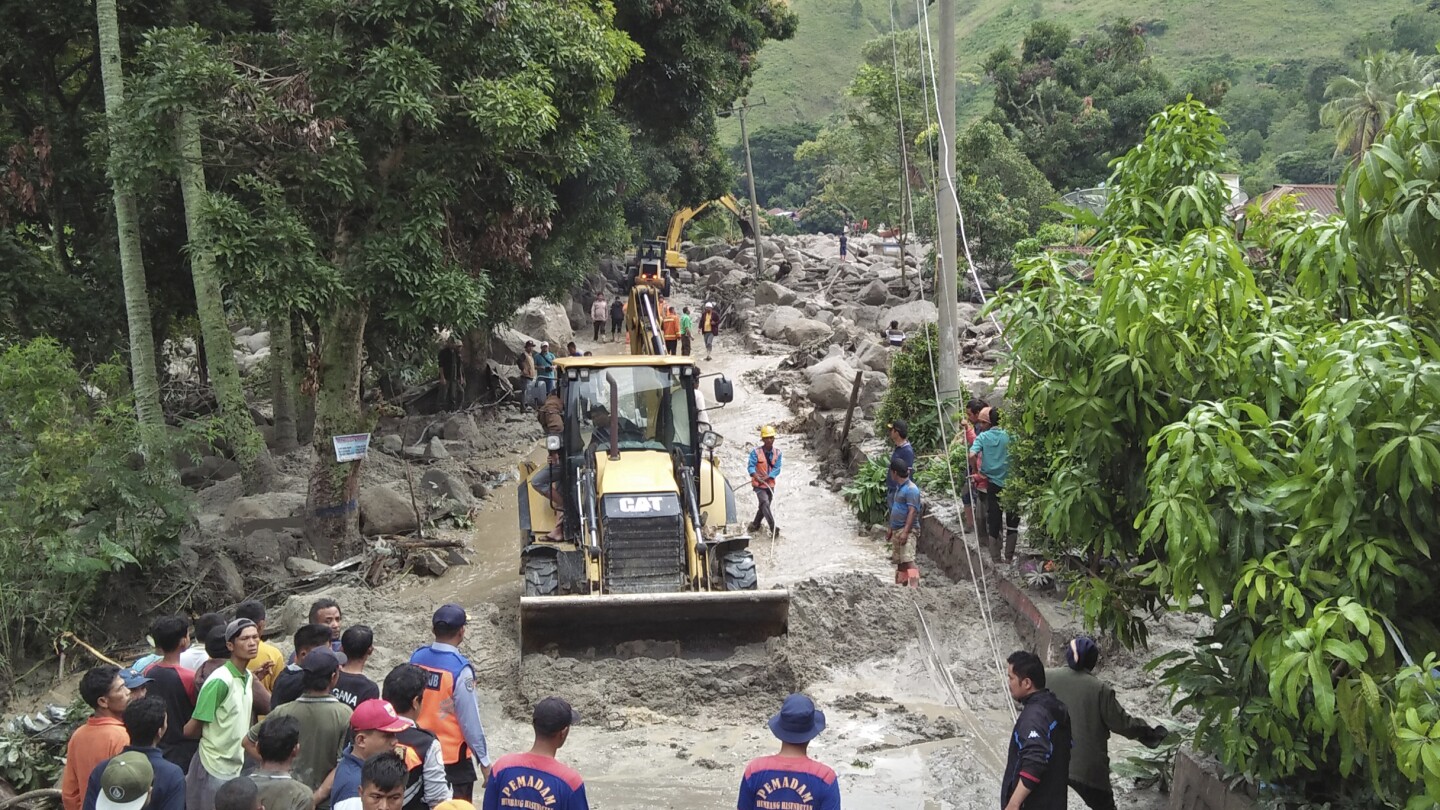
<point>542,576</point>
<point>739,567</point>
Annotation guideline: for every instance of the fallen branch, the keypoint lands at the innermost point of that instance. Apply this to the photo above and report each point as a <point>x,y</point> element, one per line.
<point>51,795</point>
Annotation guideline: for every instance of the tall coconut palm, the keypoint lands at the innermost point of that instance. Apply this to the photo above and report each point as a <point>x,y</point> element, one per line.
<point>127,225</point>
<point>1359,106</point>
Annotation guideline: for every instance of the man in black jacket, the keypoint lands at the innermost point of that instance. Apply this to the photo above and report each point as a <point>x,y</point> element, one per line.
<point>1039,762</point>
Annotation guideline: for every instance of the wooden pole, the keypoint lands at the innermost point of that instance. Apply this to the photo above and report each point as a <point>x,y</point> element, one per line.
<point>849,415</point>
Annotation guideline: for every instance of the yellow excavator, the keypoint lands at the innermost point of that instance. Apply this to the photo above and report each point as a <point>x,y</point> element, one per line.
<point>648,542</point>
<point>667,253</point>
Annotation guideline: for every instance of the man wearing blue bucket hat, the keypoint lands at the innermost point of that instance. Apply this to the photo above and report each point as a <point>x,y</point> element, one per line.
<point>791,778</point>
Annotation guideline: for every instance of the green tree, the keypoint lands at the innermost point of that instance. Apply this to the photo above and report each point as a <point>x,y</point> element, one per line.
<point>1358,106</point>
<point>1293,515</point>
<point>127,224</point>
<point>1073,105</point>
<point>780,179</point>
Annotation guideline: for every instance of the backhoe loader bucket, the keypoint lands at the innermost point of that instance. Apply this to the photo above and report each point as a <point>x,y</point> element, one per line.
<point>724,617</point>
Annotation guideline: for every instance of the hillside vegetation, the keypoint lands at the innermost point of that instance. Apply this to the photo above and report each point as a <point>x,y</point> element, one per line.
<point>803,79</point>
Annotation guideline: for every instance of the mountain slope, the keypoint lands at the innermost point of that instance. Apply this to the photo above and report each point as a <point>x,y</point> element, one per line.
<point>804,79</point>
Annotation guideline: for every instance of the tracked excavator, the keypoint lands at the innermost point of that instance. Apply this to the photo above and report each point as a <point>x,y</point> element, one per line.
<point>649,543</point>
<point>665,256</point>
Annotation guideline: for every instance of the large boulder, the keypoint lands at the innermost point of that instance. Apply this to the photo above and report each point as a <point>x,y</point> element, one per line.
<point>254,342</point>
<point>716,263</point>
<point>805,330</point>
<point>768,292</point>
<point>269,510</point>
<point>874,355</point>
<point>830,383</point>
<point>507,344</point>
<point>545,320</point>
<point>450,495</point>
<point>874,293</point>
<point>779,318</point>
<point>386,511</point>
<point>912,315</point>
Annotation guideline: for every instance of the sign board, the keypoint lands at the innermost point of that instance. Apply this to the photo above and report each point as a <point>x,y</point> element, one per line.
<point>351,447</point>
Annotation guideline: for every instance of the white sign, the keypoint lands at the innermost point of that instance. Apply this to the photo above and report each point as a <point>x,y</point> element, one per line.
<point>640,504</point>
<point>351,447</point>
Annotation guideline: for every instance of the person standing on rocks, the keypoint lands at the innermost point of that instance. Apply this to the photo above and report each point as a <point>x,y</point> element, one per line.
<point>426,785</point>
<point>352,687</point>
<point>791,778</point>
<point>449,709</point>
<point>617,318</point>
<point>598,312</point>
<point>269,661</point>
<point>145,724</point>
<point>545,366</point>
<point>1038,764</point>
<point>1095,713</point>
<point>687,330</point>
<point>709,327</point>
<point>278,744</point>
<point>221,718</point>
<point>904,515</point>
<point>991,450</point>
<point>100,737</point>
<point>764,467</point>
<point>174,685</point>
<point>323,721</point>
<point>536,778</point>
<point>844,242</point>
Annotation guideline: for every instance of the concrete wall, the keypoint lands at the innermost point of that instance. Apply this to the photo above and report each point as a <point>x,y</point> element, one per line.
<point>1198,785</point>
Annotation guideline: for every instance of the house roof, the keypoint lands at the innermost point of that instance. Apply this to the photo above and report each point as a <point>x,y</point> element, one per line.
<point>1315,198</point>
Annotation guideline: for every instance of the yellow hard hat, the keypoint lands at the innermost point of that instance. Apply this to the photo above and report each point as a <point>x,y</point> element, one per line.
<point>767,432</point>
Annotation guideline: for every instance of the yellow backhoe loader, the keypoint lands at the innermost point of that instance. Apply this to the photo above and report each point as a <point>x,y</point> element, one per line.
<point>649,543</point>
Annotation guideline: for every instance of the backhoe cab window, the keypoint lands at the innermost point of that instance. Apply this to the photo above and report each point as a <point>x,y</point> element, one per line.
<point>654,409</point>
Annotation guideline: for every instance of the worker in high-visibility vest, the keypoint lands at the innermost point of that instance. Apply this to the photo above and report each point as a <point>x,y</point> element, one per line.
<point>449,709</point>
<point>764,468</point>
<point>670,328</point>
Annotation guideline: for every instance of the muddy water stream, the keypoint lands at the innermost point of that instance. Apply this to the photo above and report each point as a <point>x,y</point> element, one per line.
<point>895,737</point>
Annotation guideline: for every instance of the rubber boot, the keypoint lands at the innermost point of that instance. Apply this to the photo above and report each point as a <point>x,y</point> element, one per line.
<point>968,519</point>
<point>1011,536</point>
<point>983,538</point>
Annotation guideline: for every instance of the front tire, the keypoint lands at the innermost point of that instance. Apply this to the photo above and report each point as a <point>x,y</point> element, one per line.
<point>739,567</point>
<point>542,576</point>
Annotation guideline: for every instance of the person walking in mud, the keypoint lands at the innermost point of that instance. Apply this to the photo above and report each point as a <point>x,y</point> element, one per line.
<point>450,711</point>
<point>1095,713</point>
<point>791,778</point>
<point>1038,763</point>
<point>536,778</point>
<point>904,515</point>
<point>598,312</point>
<point>617,318</point>
<point>764,467</point>
<point>687,331</point>
<point>709,327</point>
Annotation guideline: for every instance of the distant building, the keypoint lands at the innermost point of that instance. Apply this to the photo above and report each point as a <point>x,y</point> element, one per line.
<point>1315,199</point>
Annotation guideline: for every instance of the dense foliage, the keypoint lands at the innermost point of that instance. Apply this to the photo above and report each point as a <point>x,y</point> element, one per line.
<point>78,503</point>
<point>1251,429</point>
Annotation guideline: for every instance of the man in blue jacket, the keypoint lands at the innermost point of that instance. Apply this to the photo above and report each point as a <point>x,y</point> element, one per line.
<point>1038,766</point>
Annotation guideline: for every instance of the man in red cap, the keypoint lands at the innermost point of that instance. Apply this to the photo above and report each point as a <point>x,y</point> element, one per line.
<point>449,709</point>
<point>375,724</point>
<point>791,778</point>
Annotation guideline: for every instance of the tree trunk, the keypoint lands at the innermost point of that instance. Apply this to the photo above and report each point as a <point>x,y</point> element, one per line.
<point>332,510</point>
<point>237,426</point>
<point>282,383</point>
<point>132,262</point>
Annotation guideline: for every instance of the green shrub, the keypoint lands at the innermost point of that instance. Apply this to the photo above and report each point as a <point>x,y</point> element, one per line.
<point>80,501</point>
<point>911,395</point>
<point>866,493</point>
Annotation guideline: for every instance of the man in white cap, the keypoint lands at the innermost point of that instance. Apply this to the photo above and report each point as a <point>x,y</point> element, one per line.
<point>709,326</point>
<point>791,778</point>
<point>125,782</point>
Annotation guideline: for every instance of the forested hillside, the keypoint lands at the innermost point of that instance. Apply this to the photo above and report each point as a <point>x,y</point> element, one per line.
<point>804,79</point>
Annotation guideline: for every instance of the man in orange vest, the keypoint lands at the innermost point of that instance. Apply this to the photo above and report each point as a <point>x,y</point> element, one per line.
<point>449,709</point>
<point>764,468</point>
<point>670,327</point>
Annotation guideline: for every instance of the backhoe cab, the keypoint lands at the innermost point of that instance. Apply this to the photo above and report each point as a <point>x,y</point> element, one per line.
<point>651,545</point>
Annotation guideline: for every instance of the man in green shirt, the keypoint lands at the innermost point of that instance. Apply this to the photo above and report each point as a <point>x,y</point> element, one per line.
<point>1095,713</point>
<point>279,746</point>
<point>323,718</point>
<point>687,331</point>
<point>221,716</point>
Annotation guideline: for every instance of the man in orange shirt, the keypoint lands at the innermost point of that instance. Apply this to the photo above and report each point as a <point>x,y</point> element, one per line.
<point>100,738</point>
<point>670,326</point>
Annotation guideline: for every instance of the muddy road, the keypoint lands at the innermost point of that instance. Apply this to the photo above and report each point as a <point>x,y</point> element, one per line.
<point>918,715</point>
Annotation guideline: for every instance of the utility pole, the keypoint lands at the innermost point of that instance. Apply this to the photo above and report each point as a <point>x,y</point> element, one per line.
<point>947,269</point>
<point>750,177</point>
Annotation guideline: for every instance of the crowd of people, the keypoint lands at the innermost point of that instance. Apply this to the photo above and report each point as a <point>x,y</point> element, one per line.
<point>248,729</point>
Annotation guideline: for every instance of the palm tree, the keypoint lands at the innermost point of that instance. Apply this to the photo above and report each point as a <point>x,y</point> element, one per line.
<point>127,225</point>
<point>1358,107</point>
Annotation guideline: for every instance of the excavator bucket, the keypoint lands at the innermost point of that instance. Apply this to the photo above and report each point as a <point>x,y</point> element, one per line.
<point>711,618</point>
